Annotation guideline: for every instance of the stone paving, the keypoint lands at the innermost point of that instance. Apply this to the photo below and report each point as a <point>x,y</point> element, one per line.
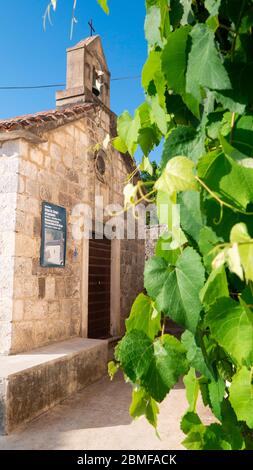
<point>97,418</point>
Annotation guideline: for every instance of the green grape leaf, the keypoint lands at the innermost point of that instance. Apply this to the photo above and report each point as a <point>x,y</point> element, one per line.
<point>216,439</point>
<point>213,6</point>
<point>151,413</point>
<point>213,23</point>
<point>139,402</point>
<point>231,151</point>
<point>241,93</point>
<point>229,101</point>
<point>247,296</point>
<point>188,15</point>
<point>239,235</point>
<point>174,62</point>
<point>241,395</point>
<point>216,286</point>
<point>169,363</point>
<point>179,295</point>
<point>112,369</point>
<point>194,354</point>
<point>215,123</point>
<point>156,365</point>
<point>194,440</point>
<point>119,145</point>
<point>192,389</point>
<point>203,385</point>
<point>128,129</point>
<point>163,249</point>
<point>207,241</point>
<point>135,353</point>
<point>212,437</point>
<point>153,78</point>
<point>208,72</point>
<point>174,59</point>
<point>230,425</point>
<point>232,329</point>
<point>148,138</point>
<point>152,65</point>
<point>226,178</point>
<point>230,256</point>
<point>211,74</point>
<point>242,138</point>
<point>158,114</point>
<point>176,289</point>
<point>144,404</point>
<point>189,420</point>
<point>152,26</point>
<point>177,176</point>
<point>146,166</point>
<point>165,18</point>
<point>183,140</point>
<point>144,317</point>
<point>216,390</point>
<point>155,274</point>
<point>191,218</point>
<point>104,6</point>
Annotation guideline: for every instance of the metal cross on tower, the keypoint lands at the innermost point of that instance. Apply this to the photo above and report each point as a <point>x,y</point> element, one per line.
<point>92,30</point>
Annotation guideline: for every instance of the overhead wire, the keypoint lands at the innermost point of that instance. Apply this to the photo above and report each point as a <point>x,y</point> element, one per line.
<point>55,85</point>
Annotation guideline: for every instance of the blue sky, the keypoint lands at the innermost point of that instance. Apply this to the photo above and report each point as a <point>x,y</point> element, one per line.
<point>30,56</point>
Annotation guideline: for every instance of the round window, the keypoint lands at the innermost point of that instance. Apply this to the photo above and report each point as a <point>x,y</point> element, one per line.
<point>100,164</point>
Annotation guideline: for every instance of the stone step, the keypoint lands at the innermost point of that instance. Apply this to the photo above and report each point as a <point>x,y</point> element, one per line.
<point>33,382</point>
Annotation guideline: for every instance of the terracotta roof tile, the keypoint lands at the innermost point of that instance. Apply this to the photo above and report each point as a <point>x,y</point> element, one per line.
<point>32,122</point>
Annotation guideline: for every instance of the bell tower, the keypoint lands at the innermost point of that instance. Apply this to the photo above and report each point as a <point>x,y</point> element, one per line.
<point>88,77</point>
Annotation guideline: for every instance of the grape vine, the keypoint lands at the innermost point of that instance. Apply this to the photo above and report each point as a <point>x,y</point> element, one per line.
<point>199,100</point>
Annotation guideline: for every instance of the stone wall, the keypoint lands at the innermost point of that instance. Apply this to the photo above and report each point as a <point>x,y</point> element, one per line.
<point>45,303</point>
<point>33,383</point>
<point>131,280</point>
<point>9,162</point>
<point>153,233</point>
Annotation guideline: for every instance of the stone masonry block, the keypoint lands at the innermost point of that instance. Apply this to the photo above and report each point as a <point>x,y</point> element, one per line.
<point>25,246</point>
<point>50,288</point>
<point>5,309</point>
<point>36,156</point>
<point>30,384</point>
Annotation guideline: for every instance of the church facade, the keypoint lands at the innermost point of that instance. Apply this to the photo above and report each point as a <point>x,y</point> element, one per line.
<point>56,287</point>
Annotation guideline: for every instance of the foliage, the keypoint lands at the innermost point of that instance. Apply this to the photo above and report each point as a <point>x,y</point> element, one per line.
<point>199,101</point>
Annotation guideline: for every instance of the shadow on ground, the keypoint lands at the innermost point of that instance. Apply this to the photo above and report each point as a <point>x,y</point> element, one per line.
<point>97,418</point>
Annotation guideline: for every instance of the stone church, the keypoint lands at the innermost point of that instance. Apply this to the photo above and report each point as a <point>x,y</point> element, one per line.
<point>60,309</point>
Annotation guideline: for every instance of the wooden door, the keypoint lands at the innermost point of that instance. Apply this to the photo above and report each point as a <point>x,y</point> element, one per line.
<point>99,288</point>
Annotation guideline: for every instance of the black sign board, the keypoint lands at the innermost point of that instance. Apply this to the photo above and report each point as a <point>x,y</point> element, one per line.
<point>54,235</point>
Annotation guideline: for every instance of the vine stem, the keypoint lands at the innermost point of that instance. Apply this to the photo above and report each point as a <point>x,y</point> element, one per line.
<point>222,203</point>
<point>144,196</point>
<point>126,209</point>
<point>232,127</point>
<point>131,175</point>
<point>223,26</point>
<point>229,245</point>
<point>163,328</point>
